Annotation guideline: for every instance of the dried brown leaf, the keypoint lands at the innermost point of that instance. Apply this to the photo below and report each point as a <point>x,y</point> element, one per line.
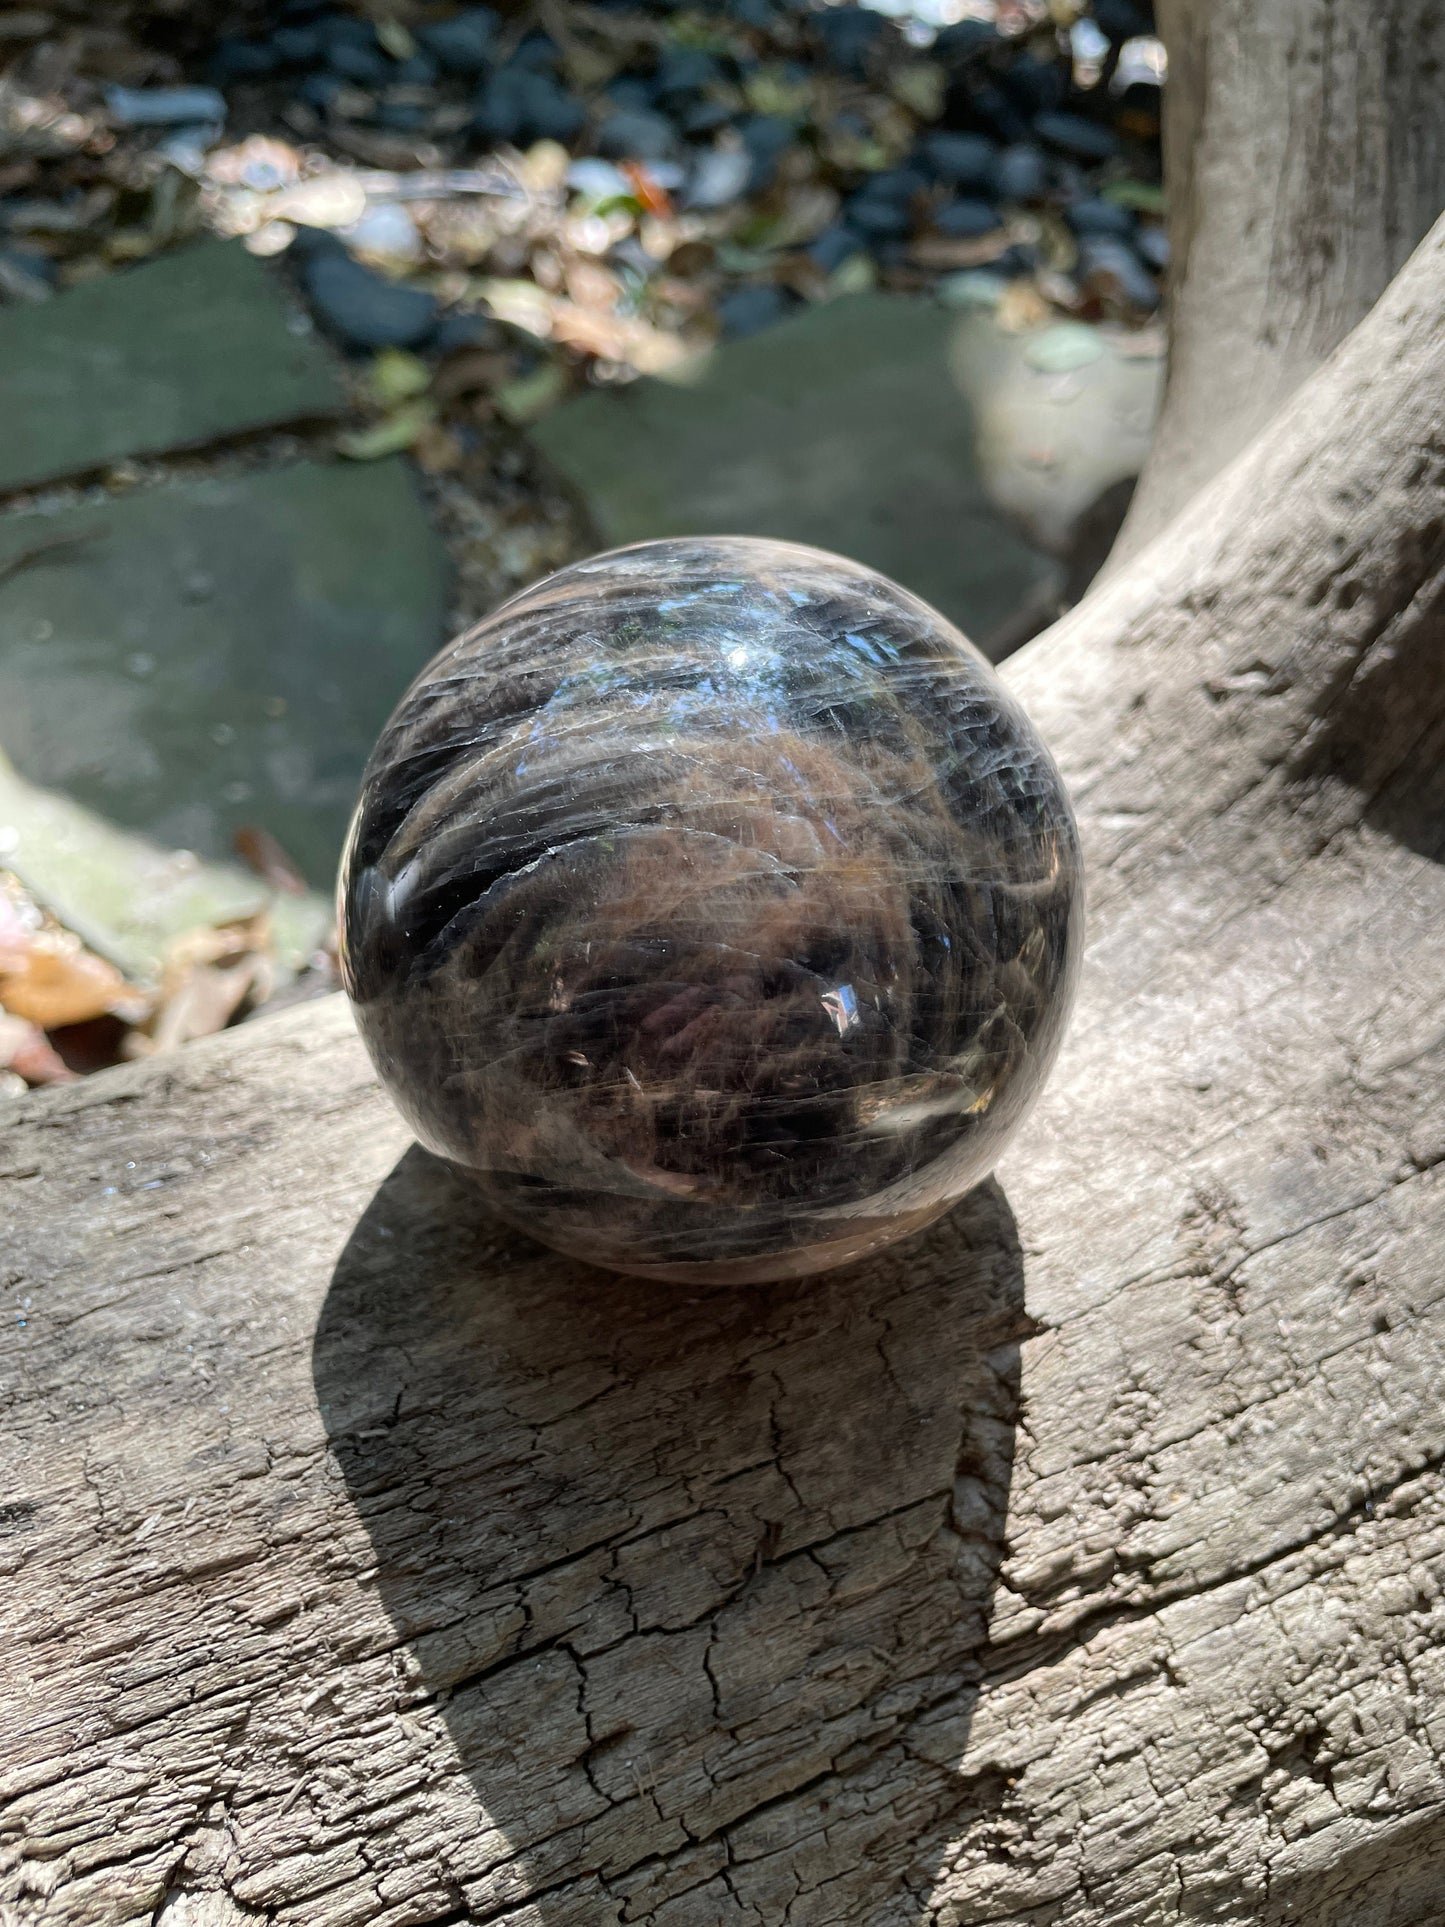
<point>267,856</point>
<point>28,1052</point>
<point>473,371</point>
<point>51,979</point>
<point>210,975</point>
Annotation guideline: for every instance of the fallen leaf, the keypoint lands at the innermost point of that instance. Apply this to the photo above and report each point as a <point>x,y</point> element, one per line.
<point>395,37</point>
<point>52,979</point>
<point>462,231</point>
<point>471,371</point>
<point>921,88</point>
<point>390,436</point>
<point>330,200</point>
<point>945,251</point>
<point>1142,196</point>
<point>264,854</point>
<point>396,376</point>
<point>1021,307</point>
<point>205,1003</point>
<point>591,285</point>
<point>438,451</point>
<point>774,90</point>
<point>209,975</point>
<point>650,197</point>
<point>543,168</point>
<point>521,303</point>
<point>28,1052</point>
<point>530,396</point>
<point>259,163</point>
<point>691,257</point>
<point>856,275</point>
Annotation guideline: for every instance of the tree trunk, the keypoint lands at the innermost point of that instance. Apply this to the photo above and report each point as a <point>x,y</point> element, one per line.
<point>1305,158</point>
<point>1082,1561</point>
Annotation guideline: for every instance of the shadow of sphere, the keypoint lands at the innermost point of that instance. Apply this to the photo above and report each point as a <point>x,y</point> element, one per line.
<point>698,1581</point>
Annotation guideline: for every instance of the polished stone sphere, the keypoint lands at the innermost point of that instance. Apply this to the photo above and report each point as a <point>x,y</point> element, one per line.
<point>716,907</point>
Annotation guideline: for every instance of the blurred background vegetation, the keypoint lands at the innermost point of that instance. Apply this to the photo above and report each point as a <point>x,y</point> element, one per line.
<point>324,327</point>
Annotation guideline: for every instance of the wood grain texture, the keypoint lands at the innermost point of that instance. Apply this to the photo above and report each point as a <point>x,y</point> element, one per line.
<point>1080,1562</point>
<point>1305,157</point>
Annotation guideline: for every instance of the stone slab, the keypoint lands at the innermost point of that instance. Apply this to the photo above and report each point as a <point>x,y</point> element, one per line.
<point>218,653</point>
<point>175,354</point>
<point>1064,413</point>
<point>845,426</point>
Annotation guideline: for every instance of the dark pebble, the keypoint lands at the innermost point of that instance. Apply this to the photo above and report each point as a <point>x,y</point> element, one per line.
<point>1070,181</point>
<point>456,331</point>
<point>685,70</point>
<point>1038,86</point>
<point>521,105</point>
<point>630,92</point>
<point>963,160</point>
<point>1098,216</point>
<point>538,51</point>
<point>705,117</point>
<point>320,90</point>
<point>637,135</point>
<point>417,70</point>
<point>848,35</point>
<point>1020,173</point>
<point>165,106</point>
<point>360,308</point>
<point>1112,267</point>
<point>1120,20</point>
<point>345,30</point>
<point>748,310</point>
<point>1152,245</point>
<point>767,138</point>
<point>363,66</point>
<point>967,220</point>
<point>896,183</point>
<point>463,44</point>
<point>295,46</point>
<point>400,116</point>
<point>26,272</point>
<point>878,220</point>
<point>1082,140</point>
<point>1139,109</point>
<point>965,41</point>
<point>631,255</point>
<point>997,113</point>
<point>834,246</point>
<point>234,60</point>
<point>500,107</point>
<point>1021,259</point>
<point>555,115</point>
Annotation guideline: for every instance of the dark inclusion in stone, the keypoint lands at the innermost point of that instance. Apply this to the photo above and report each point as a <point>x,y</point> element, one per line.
<point>716,907</point>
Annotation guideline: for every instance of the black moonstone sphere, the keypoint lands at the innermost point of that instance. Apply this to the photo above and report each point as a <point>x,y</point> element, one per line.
<point>716,907</point>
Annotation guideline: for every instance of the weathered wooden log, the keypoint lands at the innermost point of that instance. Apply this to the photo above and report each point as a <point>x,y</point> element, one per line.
<point>1082,1561</point>
<point>1305,159</point>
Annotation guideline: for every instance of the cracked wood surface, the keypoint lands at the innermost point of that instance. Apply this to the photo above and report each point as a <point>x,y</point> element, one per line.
<point>1082,1561</point>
